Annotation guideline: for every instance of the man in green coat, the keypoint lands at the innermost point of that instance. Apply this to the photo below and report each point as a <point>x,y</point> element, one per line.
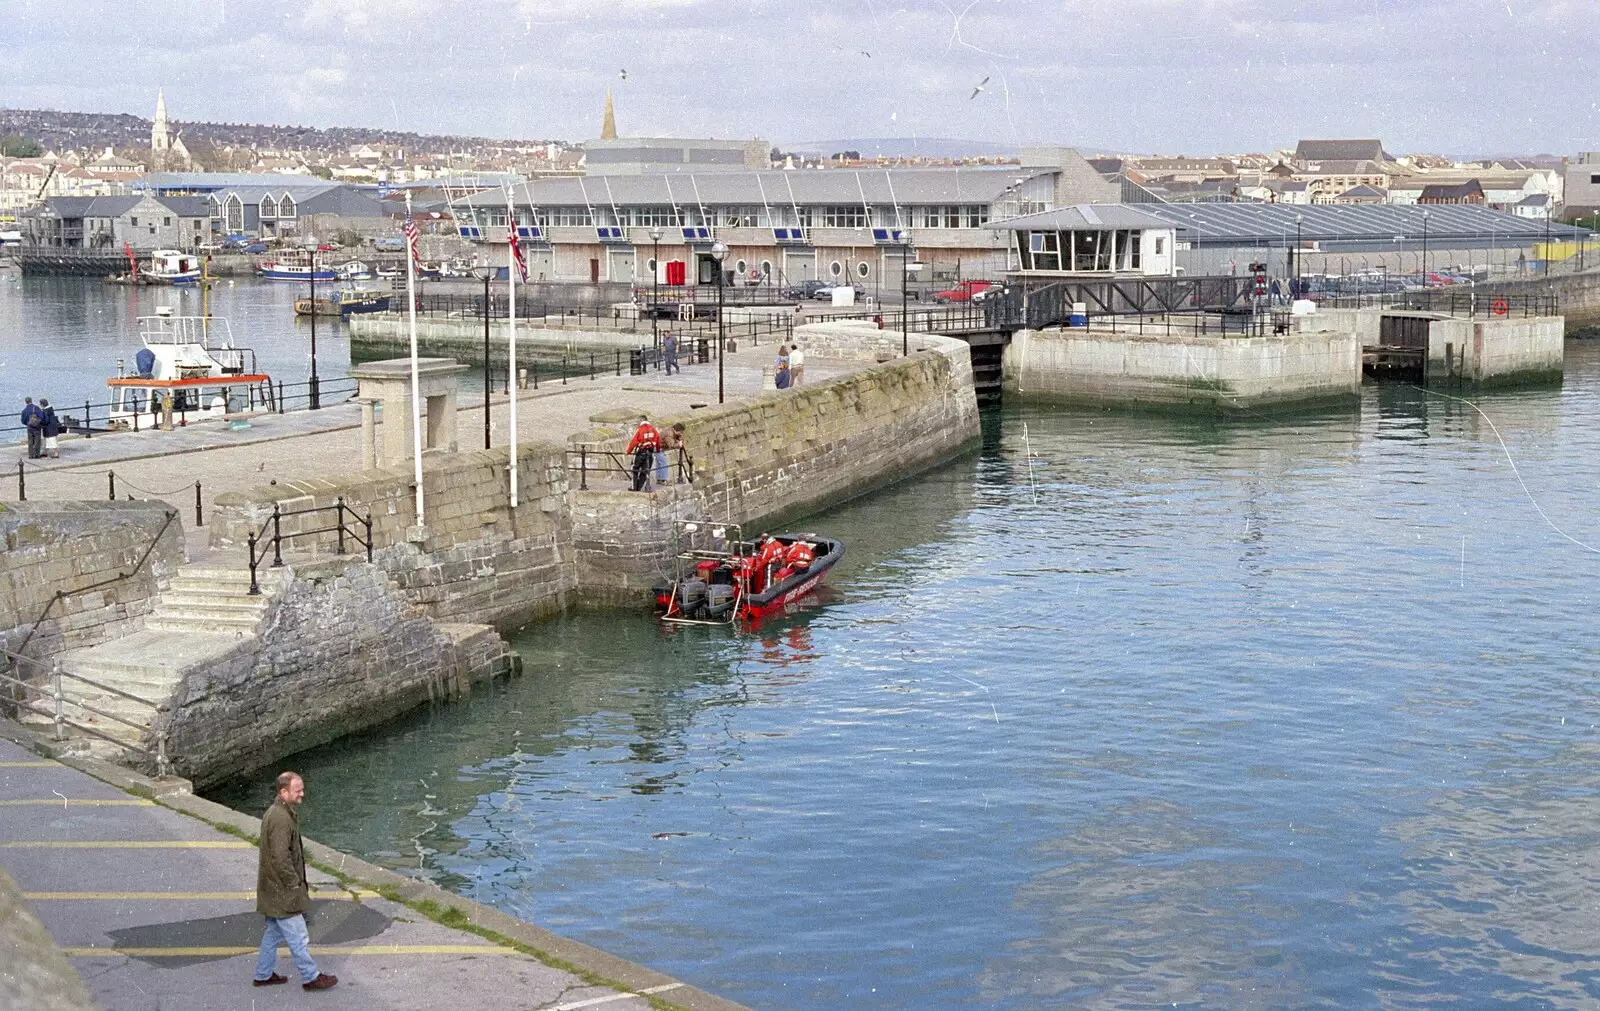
<point>282,892</point>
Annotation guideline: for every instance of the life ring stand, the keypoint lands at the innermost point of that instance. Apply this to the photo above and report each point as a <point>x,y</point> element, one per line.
<point>1500,308</point>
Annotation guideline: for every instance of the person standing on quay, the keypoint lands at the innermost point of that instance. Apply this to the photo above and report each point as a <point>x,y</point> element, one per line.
<point>33,421</point>
<point>51,427</point>
<point>642,447</point>
<point>669,348</point>
<point>282,892</point>
<point>797,365</point>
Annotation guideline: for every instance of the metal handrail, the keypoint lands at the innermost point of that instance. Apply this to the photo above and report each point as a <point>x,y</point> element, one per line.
<point>64,594</point>
<point>58,711</point>
<point>620,464</point>
<point>260,539</point>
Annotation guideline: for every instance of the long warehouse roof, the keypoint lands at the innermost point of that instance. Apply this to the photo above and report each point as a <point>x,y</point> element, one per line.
<point>1275,224</point>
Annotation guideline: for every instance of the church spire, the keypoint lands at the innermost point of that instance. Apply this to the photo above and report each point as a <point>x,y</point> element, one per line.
<point>608,128</point>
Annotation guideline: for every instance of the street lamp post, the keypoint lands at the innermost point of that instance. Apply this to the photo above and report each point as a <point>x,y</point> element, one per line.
<point>1425,249</point>
<point>905,275</point>
<point>1299,251</point>
<point>484,272</point>
<point>655,283</point>
<point>719,252</point>
<point>313,386</point>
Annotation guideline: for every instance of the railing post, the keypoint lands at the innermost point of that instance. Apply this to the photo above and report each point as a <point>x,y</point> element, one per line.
<point>280,396</point>
<point>55,689</point>
<point>533,369</point>
<point>111,485</point>
<point>619,361</point>
<point>199,517</point>
<point>88,422</point>
<point>339,514</point>
<point>583,468</point>
<point>277,536</point>
<point>255,587</point>
<point>591,362</point>
<point>136,418</point>
<point>162,764</point>
<point>367,522</point>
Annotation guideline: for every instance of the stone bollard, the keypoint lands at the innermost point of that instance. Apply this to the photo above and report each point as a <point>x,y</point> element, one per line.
<point>769,379</point>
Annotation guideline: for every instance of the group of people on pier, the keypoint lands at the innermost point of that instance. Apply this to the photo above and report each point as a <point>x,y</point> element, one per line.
<point>43,427</point>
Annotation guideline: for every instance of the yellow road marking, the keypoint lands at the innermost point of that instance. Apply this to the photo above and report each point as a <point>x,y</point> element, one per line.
<point>77,802</point>
<point>135,844</point>
<point>31,765</point>
<point>177,896</point>
<point>316,949</point>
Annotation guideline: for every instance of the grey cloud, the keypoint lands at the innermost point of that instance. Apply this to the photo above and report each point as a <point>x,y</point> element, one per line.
<point>1143,75</point>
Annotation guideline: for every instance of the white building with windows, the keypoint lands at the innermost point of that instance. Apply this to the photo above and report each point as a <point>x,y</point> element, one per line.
<point>1114,240</point>
<point>782,226</point>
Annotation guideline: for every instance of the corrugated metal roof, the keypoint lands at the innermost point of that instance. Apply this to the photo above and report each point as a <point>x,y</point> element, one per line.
<point>1274,224</point>
<point>776,187</point>
<point>1087,216</point>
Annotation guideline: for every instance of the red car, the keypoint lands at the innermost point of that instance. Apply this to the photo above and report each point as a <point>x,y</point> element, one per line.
<point>964,291</point>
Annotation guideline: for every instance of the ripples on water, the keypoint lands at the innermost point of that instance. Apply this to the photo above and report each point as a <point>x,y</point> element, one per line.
<point>1255,714</point>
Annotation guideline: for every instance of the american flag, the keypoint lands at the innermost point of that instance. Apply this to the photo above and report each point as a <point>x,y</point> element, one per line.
<point>411,239</point>
<point>516,254</point>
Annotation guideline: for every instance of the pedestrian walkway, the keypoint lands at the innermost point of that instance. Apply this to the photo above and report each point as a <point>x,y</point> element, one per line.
<point>155,910</point>
<point>277,448</point>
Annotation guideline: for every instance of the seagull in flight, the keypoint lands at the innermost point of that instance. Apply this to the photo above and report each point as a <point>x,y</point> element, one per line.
<point>979,88</point>
<point>624,74</point>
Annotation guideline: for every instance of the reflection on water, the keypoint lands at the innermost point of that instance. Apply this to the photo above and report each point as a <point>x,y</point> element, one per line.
<point>1130,712</point>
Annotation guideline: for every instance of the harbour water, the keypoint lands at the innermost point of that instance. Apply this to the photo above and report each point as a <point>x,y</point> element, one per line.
<point>1119,711</point>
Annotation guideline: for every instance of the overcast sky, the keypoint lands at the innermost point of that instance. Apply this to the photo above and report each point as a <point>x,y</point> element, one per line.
<point>1190,76</point>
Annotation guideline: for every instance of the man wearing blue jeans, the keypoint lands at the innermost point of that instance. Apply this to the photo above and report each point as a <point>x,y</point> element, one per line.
<point>282,893</point>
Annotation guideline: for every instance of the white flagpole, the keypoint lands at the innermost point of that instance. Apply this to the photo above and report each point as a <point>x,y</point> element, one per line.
<point>416,382</point>
<point>511,335</point>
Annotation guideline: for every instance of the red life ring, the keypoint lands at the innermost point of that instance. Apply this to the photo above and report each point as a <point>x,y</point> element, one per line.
<point>1500,307</point>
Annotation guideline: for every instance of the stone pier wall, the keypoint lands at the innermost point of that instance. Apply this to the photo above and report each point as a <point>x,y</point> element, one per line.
<point>63,547</point>
<point>785,454</point>
<point>1210,373</point>
<point>389,335</point>
<point>476,560</point>
<point>789,453</point>
<point>345,650</point>
<point>1488,349</point>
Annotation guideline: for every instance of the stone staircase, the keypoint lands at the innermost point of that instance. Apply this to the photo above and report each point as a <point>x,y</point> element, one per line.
<point>206,613</point>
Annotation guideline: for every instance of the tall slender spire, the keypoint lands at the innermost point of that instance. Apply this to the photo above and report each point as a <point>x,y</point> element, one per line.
<point>608,128</point>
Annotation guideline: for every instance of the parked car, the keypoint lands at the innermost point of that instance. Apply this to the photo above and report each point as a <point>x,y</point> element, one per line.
<point>390,243</point>
<point>256,247</point>
<point>964,291</point>
<point>825,293</point>
<point>805,289</point>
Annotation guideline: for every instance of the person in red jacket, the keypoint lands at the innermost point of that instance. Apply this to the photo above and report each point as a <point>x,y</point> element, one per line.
<point>646,440</point>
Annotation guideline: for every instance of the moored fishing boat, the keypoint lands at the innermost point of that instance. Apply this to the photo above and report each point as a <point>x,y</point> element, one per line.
<point>720,578</point>
<point>295,265</point>
<point>169,266</point>
<point>190,364</point>
<point>345,302</point>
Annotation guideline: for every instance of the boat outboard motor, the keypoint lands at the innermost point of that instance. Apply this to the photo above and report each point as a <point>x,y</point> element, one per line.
<point>719,598</point>
<point>691,595</point>
<point>144,362</point>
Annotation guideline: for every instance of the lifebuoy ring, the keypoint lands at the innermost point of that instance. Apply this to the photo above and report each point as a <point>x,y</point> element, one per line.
<point>1500,307</point>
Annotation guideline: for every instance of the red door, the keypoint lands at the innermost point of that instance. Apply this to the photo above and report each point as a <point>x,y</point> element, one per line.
<point>594,271</point>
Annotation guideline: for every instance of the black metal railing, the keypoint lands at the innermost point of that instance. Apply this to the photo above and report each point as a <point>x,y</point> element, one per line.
<point>274,398</point>
<point>700,322</point>
<point>260,539</point>
<point>1478,301</point>
<point>596,462</point>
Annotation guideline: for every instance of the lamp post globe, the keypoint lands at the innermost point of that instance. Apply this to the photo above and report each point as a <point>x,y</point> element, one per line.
<point>719,252</point>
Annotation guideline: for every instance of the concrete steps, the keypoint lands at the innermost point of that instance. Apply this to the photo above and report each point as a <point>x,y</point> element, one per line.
<point>206,613</point>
